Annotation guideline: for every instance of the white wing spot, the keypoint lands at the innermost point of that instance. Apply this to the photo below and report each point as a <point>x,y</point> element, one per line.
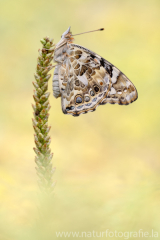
<point>113,91</point>
<point>83,79</point>
<point>128,97</point>
<point>115,73</point>
<point>106,79</point>
<point>127,84</point>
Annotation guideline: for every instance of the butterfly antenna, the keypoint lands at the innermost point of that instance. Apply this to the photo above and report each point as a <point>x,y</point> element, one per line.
<point>101,29</point>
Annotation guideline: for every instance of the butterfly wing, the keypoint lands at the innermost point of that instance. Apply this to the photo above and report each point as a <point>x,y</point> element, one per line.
<point>87,80</point>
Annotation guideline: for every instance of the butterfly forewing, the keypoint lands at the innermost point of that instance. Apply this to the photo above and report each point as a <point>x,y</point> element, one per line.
<point>86,80</point>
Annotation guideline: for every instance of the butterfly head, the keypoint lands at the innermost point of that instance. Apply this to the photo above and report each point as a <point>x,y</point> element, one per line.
<point>65,38</point>
<point>67,33</point>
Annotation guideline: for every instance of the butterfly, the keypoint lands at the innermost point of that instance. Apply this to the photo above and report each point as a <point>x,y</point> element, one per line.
<point>85,80</point>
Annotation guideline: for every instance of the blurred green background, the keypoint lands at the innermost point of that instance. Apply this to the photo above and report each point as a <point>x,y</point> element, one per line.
<point>108,168</point>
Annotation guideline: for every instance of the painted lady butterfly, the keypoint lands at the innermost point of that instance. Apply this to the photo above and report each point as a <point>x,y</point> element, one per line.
<point>85,80</point>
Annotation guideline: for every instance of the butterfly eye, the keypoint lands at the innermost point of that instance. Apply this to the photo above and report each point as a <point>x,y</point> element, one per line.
<point>78,99</point>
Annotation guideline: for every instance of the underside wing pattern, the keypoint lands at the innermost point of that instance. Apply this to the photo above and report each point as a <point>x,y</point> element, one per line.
<point>85,80</point>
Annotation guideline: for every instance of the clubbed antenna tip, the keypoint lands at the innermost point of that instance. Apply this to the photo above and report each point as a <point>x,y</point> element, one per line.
<point>101,29</point>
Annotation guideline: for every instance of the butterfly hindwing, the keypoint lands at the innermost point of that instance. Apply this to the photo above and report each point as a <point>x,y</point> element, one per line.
<point>79,98</point>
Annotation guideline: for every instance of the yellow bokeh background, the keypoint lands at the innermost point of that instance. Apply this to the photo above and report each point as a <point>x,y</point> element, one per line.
<point>108,161</point>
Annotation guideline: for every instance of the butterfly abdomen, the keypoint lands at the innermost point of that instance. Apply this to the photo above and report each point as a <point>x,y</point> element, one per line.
<point>55,84</point>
